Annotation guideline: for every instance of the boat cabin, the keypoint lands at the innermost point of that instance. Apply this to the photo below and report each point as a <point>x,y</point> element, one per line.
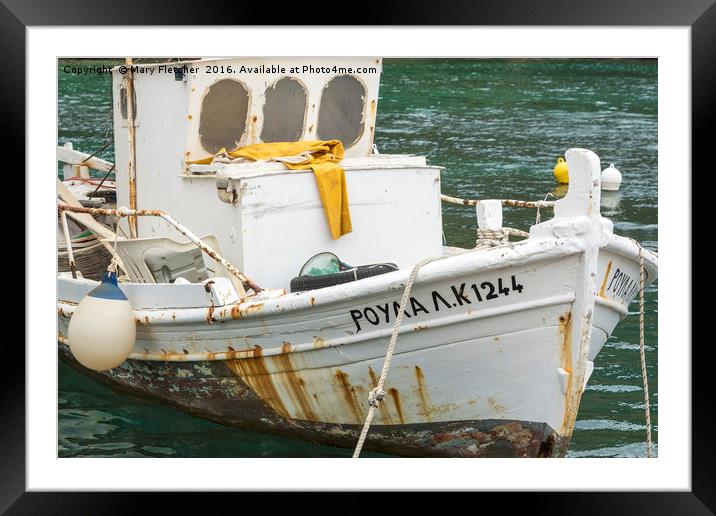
<point>268,220</point>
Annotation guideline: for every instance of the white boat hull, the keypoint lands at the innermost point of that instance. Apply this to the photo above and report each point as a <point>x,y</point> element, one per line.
<point>492,358</point>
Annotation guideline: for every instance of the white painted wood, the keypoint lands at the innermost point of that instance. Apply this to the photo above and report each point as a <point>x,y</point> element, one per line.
<point>87,220</point>
<point>489,214</point>
<point>381,161</point>
<point>510,348</point>
<point>66,154</point>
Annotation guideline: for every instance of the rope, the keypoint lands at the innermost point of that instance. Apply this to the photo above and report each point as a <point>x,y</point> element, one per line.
<point>376,395</point>
<point>91,261</point>
<point>505,202</point>
<point>494,237</point>
<point>538,217</point>
<point>642,355</point>
<point>112,267</point>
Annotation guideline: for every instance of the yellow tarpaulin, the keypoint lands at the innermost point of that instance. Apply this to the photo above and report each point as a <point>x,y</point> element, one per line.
<point>323,157</point>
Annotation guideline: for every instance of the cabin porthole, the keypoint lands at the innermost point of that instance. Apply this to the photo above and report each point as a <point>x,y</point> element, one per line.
<point>223,115</point>
<point>284,111</point>
<point>340,116</point>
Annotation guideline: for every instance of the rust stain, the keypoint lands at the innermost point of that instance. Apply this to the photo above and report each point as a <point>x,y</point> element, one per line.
<point>349,395</point>
<point>515,433</point>
<point>419,327</point>
<point>312,300</point>
<point>565,329</point>
<point>310,129</point>
<point>61,312</point>
<point>387,420</point>
<point>422,393</point>
<point>373,377</point>
<point>190,117</point>
<point>237,312</point>
<point>395,395</point>
<point>604,281</point>
<point>319,343</point>
<point>210,314</point>
<point>295,385</point>
<point>253,371</point>
<point>495,406</point>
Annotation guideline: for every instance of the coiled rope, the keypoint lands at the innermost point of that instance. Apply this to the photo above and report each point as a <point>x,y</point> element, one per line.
<point>642,355</point>
<point>377,395</point>
<point>495,237</point>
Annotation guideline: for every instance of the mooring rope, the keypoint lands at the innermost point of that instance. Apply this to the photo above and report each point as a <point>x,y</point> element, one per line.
<point>376,395</point>
<point>642,354</point>
<point>495,237</point>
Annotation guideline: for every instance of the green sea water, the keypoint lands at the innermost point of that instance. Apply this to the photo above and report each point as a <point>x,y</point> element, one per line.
<point>497,126</point>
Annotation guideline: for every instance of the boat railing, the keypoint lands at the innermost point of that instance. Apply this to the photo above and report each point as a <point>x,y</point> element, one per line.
<point>490,231</point>
<point>126,212</point>
<point>77,164</point>
<point>505,202</point>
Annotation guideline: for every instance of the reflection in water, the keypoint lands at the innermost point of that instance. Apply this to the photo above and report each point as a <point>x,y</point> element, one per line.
<point>610,201</point>
<point>560,190</point>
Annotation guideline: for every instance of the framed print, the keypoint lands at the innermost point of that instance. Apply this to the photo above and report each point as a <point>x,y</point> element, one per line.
<point>433,248</point>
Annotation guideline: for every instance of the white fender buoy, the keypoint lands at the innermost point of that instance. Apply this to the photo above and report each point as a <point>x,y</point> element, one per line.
<point>102,330</point>
<point>611,178</point>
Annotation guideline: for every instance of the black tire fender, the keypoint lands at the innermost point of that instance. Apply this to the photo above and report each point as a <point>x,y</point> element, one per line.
<point>305,283</point>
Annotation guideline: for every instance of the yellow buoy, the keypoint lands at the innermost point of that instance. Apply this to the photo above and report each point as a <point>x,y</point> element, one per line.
<point>561,173</point>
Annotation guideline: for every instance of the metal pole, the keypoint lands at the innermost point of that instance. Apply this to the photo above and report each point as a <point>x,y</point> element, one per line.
<point>132,158</point>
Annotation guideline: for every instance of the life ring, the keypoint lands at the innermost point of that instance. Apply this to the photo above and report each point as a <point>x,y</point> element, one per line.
<point>304,283</point>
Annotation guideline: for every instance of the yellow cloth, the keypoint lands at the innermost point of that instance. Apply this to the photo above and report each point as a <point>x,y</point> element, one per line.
<point>320,156</point>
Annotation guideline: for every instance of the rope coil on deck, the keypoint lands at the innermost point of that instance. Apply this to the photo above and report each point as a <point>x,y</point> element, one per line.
<point>494,237</point>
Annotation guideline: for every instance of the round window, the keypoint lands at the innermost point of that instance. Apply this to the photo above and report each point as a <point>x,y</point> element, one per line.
<point>223,115</point>
<point>341,113</point>
<point>284,111</point>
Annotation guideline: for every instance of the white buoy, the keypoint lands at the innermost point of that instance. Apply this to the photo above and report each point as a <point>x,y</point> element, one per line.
<point>611,178</point>
<point>102,330</point>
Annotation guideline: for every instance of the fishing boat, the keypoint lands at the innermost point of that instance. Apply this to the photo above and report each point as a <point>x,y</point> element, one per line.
<point>254,305</point>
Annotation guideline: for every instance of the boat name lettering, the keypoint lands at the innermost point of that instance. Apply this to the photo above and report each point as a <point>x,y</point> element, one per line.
<point>623,286</point>
<point>458,295</point>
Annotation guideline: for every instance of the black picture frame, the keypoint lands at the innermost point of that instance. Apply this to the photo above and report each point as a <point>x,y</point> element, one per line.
<point>700,15</point>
